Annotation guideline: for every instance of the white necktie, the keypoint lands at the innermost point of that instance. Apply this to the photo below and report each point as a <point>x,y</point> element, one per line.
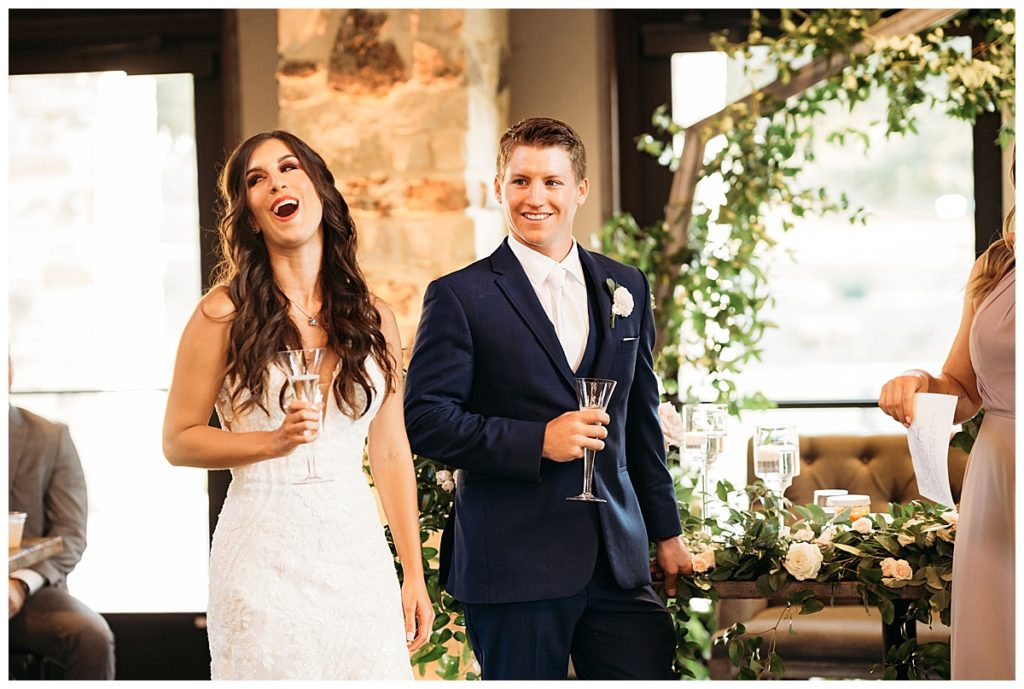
<point>566,317</point>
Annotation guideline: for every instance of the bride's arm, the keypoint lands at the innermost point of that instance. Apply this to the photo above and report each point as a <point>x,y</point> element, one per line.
<point>199,370</point>
<point>393,474</point>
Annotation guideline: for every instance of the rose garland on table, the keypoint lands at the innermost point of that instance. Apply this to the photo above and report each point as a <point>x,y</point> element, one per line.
<point>911,545</point>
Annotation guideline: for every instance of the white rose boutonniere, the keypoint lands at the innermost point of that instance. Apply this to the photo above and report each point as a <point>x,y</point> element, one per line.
<point>622,300</point>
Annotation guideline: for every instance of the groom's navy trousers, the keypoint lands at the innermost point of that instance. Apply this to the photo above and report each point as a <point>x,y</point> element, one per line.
<point>543,577</point>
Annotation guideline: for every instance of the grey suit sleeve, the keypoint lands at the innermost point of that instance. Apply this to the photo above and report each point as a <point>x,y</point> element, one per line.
<point>66,508</point>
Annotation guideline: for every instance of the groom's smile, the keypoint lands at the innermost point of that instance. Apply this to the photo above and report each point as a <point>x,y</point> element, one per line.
<point>540,194</point>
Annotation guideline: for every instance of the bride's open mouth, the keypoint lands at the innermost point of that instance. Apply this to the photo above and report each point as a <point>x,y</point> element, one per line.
<point>285,208</point>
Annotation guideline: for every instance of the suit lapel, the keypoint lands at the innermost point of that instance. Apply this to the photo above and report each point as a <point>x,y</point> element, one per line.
<point>516,286</point>
<point>602,315</point>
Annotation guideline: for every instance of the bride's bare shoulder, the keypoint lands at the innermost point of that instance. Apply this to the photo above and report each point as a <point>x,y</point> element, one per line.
<point>216,305</point>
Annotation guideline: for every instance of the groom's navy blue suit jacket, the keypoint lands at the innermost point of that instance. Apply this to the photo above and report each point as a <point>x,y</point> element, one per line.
<point>487,374</point>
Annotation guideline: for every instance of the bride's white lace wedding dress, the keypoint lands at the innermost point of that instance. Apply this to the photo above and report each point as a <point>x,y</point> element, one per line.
<point>302,582</point>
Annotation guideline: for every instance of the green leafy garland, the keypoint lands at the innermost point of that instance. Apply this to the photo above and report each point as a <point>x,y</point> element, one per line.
<point>712,326</point>
<point>911,546</point>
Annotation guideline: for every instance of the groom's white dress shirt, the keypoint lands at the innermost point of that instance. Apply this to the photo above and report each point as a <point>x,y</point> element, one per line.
<point>562,291</point>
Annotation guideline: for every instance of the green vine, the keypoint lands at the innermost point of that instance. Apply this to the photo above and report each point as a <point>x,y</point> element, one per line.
<point>710,327</point>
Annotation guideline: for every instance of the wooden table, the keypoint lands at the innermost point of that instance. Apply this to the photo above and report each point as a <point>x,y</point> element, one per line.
<point>32,551</point>
<point>846,591</point>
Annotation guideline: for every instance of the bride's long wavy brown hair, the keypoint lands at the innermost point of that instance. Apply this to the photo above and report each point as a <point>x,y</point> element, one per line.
<point>260,324</point>
<point>999,258</point>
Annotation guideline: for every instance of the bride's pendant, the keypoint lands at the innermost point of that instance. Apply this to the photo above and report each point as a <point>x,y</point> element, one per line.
<point>311,319</point>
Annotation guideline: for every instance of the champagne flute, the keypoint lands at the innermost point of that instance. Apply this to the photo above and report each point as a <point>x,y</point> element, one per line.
<point>776,457</point>
<point>303,369</point>
<point>703,441</point>
<point>592,393</point>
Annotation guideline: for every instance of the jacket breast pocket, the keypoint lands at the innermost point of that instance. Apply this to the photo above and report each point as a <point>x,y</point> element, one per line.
<point>628,345</point>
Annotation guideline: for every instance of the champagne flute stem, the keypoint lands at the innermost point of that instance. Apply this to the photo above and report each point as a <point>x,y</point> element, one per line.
<point>588,471</point>
<point>311,462</point>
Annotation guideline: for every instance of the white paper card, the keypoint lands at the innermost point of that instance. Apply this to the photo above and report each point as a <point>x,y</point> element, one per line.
<point>928,437</point>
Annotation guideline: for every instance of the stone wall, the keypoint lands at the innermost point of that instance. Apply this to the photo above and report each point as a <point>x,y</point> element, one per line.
<point>406,107</point>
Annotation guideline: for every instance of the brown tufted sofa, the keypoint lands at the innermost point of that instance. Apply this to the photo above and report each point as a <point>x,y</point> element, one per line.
<point>842,640</point>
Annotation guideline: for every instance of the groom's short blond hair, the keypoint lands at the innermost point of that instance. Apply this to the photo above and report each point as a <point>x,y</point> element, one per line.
<point>543,132</point>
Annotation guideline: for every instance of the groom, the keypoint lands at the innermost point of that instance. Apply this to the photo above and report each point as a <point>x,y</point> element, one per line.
<point>490,391</point>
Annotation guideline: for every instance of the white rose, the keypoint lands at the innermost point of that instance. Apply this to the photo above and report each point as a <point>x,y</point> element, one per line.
<point>827,534</point>
<point>623,305</point>
<point>448,486</point>
<point>804,534</point>
<point>803,560</point>
<point>703,561</point>
<point>863,525</point>
<point>897,569</point>
<point>952,518</point>
<point>442,476</point>
<point>671,424</point>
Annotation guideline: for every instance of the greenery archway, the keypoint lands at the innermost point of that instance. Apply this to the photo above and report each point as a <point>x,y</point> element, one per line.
<point>706,263</point>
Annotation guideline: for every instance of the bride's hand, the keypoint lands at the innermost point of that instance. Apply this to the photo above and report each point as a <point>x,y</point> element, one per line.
<point>419,612</point>
<point>301,425</point>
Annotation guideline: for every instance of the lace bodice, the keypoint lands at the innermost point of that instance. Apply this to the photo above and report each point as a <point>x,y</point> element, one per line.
<point>341,437</point>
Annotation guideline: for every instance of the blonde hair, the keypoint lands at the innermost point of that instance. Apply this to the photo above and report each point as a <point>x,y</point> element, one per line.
<point>999,257</point>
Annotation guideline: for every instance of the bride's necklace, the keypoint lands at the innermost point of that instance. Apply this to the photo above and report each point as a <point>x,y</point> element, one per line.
<point>313,320</point>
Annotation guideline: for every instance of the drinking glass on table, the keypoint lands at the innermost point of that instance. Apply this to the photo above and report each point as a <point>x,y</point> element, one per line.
<point>703,441</point>
<point>303,369</point>
<point>776,457</point>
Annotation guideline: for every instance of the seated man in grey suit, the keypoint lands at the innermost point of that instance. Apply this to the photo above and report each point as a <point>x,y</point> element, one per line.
<point>46,481</point>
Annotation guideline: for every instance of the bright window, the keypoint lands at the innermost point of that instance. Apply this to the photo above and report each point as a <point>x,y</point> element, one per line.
<point>855,305</point>
<point>103,273</point>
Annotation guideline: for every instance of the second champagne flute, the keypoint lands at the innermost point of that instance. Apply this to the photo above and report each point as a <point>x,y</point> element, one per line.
<point>592,393</point>
<point>303,369</point>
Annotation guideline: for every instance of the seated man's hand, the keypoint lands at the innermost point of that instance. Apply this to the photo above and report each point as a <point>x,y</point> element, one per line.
<point>17,594</point>
<point>673,557</point>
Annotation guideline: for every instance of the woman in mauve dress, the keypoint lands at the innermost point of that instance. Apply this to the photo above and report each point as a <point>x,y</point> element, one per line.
<point>980,372</point>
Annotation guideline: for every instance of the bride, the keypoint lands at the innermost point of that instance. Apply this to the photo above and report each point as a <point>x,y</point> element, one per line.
<point>302,582</point>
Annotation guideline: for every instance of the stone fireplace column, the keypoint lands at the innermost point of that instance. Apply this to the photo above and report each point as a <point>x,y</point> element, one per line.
<point>406,107</point>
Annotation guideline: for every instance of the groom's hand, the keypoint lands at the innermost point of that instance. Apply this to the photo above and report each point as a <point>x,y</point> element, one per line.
<point>566,436</point>
<point>674,559</point>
